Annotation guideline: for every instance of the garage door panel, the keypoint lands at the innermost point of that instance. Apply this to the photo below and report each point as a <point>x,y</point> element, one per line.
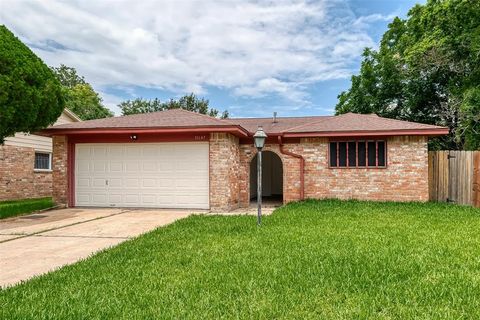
<point>132,166</point>
<point>131,199</point>
<point>83,182</point>
<point>132,183</point>
<point>99,152</point>
<point>150,151</point>
<point>188,184</point>
<point>116,151</point>
<point>115,198</point>
<point>115,183</point>
<point>99,166</point>
<point>169,175</point>
<point>168,199</point>
<point>99,183</point>
<point>82,153</point>
<point>167,166</point>
<point>149,183</point>
<point>132,152</point>
<point>149,166</point>
<point>83,198</point>
<point>99,198</point>
<point>116,166</point>
<point>149,198</point>
<point>83,166</point>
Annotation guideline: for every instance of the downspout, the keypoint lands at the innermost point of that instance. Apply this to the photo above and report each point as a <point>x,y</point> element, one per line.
<point>302,166</point>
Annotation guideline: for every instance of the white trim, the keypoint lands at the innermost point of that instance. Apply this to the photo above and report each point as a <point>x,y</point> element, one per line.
<point>71,115</point>
<point>49,162</point>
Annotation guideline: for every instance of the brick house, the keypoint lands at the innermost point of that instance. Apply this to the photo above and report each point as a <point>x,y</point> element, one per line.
<point>26,164</point>
<point>180,159</point>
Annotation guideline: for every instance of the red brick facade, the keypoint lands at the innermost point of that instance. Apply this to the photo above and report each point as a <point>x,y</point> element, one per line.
<point>224,172</point>
<point>60,170</point>
<point>18,180</point>
<point>405,177</point>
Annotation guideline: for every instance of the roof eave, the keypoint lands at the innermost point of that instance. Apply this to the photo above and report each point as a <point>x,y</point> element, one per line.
<point>72,115</point>
<point>363,133</point>
<point>235,130</point>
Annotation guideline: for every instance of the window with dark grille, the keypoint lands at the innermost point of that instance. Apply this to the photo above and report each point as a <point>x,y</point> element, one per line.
<point>333,154</point>
<point>358,154</point>
<point>42,161</point>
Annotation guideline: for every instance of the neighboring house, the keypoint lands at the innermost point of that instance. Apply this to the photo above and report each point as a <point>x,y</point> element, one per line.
<point>26,164</point>
<point>181,159</point>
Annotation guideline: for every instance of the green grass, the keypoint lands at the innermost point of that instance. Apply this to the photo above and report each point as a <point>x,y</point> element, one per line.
<point>18,207</point>
<point>312,260</point>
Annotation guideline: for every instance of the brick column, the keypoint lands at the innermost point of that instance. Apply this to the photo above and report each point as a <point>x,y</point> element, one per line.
<point>60,170</point>
<point>224,166</point>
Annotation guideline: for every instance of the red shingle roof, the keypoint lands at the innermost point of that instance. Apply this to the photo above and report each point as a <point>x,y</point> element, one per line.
<point>349,123</point>
<point>173,118</point>
<point>282,123</point>
<point>359,122</point>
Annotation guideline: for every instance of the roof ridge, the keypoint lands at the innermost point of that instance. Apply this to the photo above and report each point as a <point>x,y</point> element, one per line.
<point>307,124</point>
<point>395,120</point>
<point>297,117</point>
<point>200,114</point>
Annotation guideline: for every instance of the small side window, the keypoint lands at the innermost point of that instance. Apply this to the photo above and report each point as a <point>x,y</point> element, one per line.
<point>43,161</point>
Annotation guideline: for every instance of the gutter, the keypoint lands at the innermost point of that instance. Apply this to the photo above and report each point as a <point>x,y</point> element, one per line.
<point>302,166</point>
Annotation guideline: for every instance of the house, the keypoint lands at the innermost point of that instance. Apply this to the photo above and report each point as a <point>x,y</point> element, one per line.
<point>181,159</point>
<point>26,164</point>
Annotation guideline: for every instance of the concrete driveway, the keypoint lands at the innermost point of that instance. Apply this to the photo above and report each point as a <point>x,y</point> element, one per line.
<point>37,243</point>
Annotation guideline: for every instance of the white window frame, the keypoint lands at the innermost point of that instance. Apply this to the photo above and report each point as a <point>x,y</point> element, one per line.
<point>49,162</point>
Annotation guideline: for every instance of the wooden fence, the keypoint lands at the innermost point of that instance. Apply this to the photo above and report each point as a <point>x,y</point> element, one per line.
<point>454,176</point>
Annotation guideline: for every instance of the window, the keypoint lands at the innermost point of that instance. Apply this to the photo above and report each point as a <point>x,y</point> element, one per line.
<point>43,161</point>
<point>354,154</point>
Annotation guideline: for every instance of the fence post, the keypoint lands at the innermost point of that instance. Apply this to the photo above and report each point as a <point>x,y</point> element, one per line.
<point>476,179</point>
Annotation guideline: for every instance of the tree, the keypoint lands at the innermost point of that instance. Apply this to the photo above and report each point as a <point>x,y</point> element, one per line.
<point>30,95</point>
<point>86,103</point>
<point>425,70</point>
<point>79,95</point>
<point>469,122</point>
<point>188,102</point>
<point>68,76</point>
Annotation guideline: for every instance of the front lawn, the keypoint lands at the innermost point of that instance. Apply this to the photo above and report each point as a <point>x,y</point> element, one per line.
<point>317,260</point>
<point>17,207</point>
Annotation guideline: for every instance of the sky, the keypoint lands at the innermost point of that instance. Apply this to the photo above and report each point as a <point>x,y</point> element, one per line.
<point>248,57</point>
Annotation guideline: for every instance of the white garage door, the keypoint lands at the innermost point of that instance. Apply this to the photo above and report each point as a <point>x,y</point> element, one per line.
<point>157,175</point>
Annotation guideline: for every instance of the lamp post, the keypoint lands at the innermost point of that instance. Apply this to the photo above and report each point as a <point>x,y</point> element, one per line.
<point>259,140</point>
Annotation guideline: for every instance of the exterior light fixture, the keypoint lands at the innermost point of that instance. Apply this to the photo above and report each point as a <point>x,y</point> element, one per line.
<point>133,137</point>
<point>259,140</point>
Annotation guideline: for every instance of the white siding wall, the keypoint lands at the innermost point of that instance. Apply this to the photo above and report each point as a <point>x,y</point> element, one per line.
<point>39,143</point>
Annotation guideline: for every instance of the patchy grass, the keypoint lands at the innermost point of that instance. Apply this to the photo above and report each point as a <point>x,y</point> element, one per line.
<point>17,207</point>
<point>316,259</point>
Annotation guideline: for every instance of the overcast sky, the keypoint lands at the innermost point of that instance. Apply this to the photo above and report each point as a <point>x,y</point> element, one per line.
<point>249,57</point>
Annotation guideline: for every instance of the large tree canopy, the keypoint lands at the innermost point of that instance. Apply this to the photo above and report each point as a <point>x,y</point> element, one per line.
<point>188,102</point>
<point>80,96</point>
<point>30,94</point>
<point>427,69</point>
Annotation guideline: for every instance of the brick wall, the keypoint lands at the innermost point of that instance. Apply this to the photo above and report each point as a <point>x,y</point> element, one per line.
<point>60,173</point>
<point>224,172</point>
<point>18,180</point>
<point>404,179</point>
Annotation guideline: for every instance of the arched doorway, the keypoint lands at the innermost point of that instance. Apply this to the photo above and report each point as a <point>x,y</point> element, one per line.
<point>272,179</point>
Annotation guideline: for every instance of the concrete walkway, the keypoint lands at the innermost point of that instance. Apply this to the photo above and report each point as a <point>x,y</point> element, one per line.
<point>35,244</point>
